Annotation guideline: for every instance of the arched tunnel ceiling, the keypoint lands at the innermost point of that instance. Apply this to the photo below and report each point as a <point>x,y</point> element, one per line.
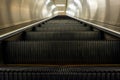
<point>13,12</point>
<point>105,11</point>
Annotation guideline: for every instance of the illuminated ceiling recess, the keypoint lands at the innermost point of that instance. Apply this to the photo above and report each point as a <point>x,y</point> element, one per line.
<point>61,6</point>
<point>64,7</point>
<point>69,7</point>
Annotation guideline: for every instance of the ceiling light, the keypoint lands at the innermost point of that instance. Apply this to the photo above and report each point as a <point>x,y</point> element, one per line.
<point>60,11</point>
<point>60,5</point>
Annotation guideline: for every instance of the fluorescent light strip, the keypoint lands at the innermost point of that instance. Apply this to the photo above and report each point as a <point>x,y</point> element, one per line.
<point>60,5</point>
<point>60,11</point>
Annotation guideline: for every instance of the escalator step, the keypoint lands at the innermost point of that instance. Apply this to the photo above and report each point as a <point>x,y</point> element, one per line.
<point>59,73</point>
<point>62,28</point>
<point>62,21</point>
<point>62,52</point>
<point>63,25</point>
<point>87,35</point>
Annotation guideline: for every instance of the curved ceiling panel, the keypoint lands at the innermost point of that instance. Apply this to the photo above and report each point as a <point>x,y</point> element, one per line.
<point>106,11</point>
<point>92,7</point>
<point>13,12</point>
<point>113,12</point>
<point>101,10</point>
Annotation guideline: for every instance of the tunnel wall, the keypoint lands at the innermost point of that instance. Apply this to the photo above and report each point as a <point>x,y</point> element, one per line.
<point>106,11</point>
<point>13,12</point>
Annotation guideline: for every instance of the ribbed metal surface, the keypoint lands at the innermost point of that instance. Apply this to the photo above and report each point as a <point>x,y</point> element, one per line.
<point>63,28</point>
<point>62,52</point>
<point>62,25</point>
<point>60,73</point>
<point>63,21</point>
<point>87,35</point>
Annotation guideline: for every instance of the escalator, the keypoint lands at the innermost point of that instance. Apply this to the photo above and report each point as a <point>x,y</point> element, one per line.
<point>61,49</point>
